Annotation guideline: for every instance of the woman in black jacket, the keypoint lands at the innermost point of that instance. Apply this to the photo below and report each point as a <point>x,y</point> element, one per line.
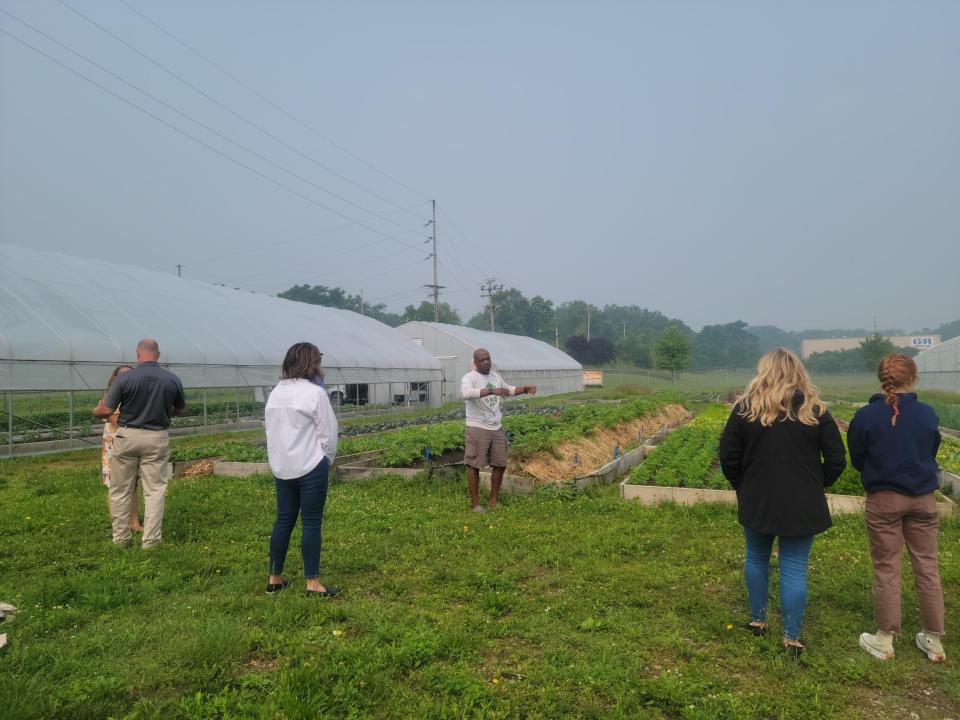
<point>779,449</point>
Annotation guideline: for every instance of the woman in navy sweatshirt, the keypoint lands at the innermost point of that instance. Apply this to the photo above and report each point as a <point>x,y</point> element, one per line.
<point>779,449</point>
<point>893,443</point>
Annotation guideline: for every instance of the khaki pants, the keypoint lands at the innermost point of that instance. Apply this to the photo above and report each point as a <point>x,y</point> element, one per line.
<point>145,453</point>
<point>482,447</point>
<point>893,519</point>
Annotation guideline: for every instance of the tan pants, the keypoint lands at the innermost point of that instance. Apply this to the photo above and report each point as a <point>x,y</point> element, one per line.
<point>145,453</point>
<point>482,447</point>
<point>893,519</point>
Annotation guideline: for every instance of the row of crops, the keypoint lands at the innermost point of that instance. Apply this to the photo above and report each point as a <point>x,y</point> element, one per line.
<point>688,457</point>
<point>530,432</point>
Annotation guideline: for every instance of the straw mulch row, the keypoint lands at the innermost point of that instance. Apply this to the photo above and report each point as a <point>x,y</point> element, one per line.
<point>595,450</point>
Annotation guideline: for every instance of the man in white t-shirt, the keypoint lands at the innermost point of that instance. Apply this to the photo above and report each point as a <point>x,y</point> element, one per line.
<point>485,442</point>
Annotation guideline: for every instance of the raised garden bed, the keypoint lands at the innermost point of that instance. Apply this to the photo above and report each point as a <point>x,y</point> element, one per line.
<point>685,470</point>
<point>609,473</point>
<point>403,451</point>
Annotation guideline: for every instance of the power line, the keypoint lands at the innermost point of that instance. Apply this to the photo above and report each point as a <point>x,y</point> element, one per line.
<point>212,99</point>
<point>324,260</point>
<point>199,141</point>
<point>396,295</point>
<point>274,105</point>
<point>217,257</point>
<point>200,123</point>
<point>482,262</point>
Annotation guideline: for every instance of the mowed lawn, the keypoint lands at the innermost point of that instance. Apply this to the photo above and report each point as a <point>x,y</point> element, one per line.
<point>550,607</point>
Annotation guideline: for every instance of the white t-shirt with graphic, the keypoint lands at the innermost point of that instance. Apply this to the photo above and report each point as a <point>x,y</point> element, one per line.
<point>483,412</point>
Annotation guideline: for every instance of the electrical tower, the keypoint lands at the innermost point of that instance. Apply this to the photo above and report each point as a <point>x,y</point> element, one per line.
<point>487,291</point>
<point>435,288</point>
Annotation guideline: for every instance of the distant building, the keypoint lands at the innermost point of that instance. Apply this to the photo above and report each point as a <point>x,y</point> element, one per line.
<point>519,359</point>
<point>819,345</point>
<point>940,366</point>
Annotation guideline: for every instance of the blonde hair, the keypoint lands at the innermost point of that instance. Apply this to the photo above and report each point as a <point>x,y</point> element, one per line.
<point>896,372</point>
<point>770,395</point>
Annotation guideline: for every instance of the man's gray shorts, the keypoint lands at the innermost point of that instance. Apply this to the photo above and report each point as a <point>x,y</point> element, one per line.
<point>483,447</point>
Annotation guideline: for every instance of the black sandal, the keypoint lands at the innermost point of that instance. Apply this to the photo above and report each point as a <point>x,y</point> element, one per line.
<point>329,592</point>
<point>274,588</point>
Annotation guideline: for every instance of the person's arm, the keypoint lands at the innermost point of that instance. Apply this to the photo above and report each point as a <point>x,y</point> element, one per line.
<point>857,442</point>
<point>179,402</point>
<point>731,449</point>
<point>104,412</point>
<point>937,437</point>
<point>109,403</point>
<point>468,391</point>
<point>327,426</point>
<point>831,446</point>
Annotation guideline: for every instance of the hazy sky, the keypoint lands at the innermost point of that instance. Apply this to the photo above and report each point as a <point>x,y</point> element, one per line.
<point>787,163</point>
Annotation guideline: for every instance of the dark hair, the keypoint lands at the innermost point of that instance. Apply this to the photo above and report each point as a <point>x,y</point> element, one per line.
<point>895,372</point>
<point>116,373</point>
<point>302,361</point>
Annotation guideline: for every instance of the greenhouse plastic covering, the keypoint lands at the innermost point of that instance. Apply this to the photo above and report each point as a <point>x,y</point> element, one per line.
<point>65,322</point>
<point>521,360</point>
<point>509,352</point>
<point>940,366</point>
<point>944,357</point>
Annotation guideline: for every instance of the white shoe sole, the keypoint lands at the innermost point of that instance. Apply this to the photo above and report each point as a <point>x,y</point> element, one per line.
<point>931,656</point>
<point>878,654</point>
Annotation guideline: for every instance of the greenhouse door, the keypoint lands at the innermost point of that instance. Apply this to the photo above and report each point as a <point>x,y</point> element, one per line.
<point>357,394</point>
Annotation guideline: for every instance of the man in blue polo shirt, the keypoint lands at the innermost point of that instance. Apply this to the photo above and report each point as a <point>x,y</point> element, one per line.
<point>147,396</point>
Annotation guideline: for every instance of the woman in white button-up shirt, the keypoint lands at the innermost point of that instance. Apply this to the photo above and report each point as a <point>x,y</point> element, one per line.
<point>301,445</point>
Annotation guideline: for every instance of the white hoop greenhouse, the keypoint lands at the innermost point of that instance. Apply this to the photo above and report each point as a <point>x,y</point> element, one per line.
<point>519,359</point>
<point>940,366</point>
<point>66,322</point>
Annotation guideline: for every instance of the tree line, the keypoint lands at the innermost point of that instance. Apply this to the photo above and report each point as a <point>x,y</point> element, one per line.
<point>630,334</point>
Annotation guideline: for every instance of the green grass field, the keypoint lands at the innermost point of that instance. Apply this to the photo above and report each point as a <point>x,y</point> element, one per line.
<point>847,386</point>
<point>550,607</point>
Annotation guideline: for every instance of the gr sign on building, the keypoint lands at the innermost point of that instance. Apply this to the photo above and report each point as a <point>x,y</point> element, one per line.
<point>818,345</point>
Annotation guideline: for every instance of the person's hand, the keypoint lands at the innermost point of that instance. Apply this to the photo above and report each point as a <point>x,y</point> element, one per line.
<point>500,392</point>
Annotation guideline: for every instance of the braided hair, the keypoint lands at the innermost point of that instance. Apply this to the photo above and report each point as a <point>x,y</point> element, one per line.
<point>896,372</point>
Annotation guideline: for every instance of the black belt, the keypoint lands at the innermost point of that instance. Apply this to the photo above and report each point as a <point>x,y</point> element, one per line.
<point>140,427</point>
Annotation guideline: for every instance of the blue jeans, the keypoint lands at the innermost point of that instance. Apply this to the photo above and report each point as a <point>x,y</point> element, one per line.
<point>794,554</point>
<point>305,496</point>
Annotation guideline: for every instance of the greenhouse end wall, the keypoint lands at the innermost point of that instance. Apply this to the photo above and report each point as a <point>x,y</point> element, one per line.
<point>946,381</point>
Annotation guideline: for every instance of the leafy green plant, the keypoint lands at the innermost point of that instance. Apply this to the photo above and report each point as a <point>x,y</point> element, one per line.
<point>687,457</point>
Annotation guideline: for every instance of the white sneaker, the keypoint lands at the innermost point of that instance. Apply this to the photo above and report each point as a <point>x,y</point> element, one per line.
<point>931,646</point>
<point>879,645</point>
<point>478,509</point>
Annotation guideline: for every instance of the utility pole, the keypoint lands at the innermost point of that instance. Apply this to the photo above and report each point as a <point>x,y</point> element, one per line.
<point>556,341</point>
<point>588,323</point>
<point>178,270</point>
<point>436,287</point>
<point>488,290</point>
<point>361,301</point>
<point>624,329</point>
